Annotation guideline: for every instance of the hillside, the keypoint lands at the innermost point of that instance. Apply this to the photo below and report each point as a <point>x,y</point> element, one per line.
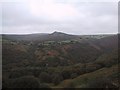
<point>55,36</point>
<point>90,79</point>
<point>59,60</point>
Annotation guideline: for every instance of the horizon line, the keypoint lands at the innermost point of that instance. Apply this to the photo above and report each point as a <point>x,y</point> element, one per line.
<point>55,31</point>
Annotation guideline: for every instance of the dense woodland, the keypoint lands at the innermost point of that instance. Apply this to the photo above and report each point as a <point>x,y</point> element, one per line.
<point>60,60</point>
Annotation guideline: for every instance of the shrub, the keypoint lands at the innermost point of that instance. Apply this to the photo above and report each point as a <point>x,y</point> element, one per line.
<point>44,77</point>
<point>66,74</point>
<point>45,86</point>
<point>57,79</point>
<point>74,75</point>
<point>100,83</point>
<point>25,82</point>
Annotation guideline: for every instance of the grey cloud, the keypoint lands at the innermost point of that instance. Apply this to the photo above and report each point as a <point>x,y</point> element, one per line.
<point>98,18</point>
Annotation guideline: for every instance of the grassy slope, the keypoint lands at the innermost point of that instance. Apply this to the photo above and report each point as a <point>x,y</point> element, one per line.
<point>82,80</point>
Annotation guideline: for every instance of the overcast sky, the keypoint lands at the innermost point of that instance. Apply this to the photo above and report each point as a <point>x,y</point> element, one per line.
<point>69,16</point>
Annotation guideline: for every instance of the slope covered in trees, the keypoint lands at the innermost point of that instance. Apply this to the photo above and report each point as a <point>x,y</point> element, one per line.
<point>67,62</point>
